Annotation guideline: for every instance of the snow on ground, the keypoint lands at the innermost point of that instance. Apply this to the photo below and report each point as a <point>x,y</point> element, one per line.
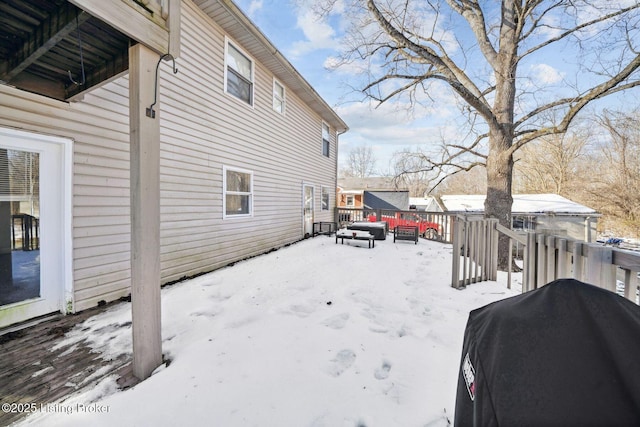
<point>314,334</point>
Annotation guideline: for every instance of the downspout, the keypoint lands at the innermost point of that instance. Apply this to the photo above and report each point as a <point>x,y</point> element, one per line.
<point>335,184</point>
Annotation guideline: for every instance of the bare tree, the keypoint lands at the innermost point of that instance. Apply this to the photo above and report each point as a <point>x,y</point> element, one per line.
<point>491,56</point>
<point>418,183</point>
<point>616,171</point>
<point>473,181</point>
<point>552,164</point>
<point>361,162</point>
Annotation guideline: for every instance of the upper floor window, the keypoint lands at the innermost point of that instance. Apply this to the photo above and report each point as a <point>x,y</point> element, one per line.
<point>326,144</point>
<point>238,192</point>
<point>325,198</point>
<point>238,79</point>
<point>278,97</point>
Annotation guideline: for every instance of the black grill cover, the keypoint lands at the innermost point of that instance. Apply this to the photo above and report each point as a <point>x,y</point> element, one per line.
<point>567,354</point>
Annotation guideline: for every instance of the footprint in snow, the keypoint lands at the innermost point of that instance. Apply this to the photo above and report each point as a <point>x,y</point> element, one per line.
<point>343,361</point>
<point>301,310</point>
<point>382,372</point>
<point>336,322</point>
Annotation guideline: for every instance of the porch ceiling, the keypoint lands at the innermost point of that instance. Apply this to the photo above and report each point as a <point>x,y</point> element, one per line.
<point>44,45</point>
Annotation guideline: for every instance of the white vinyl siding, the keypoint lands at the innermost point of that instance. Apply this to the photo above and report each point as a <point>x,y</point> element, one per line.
<point>202,130</point>
<point>99,127</point>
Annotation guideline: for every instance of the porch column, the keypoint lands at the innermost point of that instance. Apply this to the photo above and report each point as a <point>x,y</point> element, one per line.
<point>145,213</point>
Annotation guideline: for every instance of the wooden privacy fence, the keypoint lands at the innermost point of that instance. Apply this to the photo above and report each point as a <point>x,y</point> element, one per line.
<point>545,258</point>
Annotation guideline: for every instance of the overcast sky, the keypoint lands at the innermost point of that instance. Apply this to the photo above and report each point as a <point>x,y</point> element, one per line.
<point>310,45</point>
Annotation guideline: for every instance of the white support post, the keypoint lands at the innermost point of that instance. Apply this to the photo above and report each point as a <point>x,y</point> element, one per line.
<point>145,213</point>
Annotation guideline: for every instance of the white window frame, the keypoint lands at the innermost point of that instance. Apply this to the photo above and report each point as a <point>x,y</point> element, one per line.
<point>250,193</point>
<point>227,43</point>
<point>350,198</point>
<point>276,97</point>
<point>324,190</point>
<point>326,141</point>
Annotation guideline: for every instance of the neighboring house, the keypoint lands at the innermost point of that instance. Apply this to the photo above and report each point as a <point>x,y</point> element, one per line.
<point>428,204</point>
<point>248,154</point>
<point>539,212</point>
<point>372,193</point>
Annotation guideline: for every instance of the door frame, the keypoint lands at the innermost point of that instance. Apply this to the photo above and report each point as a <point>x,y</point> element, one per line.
<point>56,249</point>
<point>313,209</point>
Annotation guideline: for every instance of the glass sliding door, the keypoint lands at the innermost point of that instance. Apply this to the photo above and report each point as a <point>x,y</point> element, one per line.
<point>19,226</point>
<point>307,207</point>
<point>35,225</point>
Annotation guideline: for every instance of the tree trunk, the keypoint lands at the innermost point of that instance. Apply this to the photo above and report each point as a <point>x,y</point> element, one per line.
<point>501,132</point>
<point>499,200</point>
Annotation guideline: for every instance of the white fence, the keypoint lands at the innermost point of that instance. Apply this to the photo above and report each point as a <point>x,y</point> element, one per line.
<point>546,258</point>
<point>476,243</point>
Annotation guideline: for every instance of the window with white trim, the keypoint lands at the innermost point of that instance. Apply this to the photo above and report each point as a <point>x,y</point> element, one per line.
<point>351,201</point>
<point>278,97</point>
<point>238,74</point>
<point>237,197</point>
<point>325,198</point>
<point>326,138</point>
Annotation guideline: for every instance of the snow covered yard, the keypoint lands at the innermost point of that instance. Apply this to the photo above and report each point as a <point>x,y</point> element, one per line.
<point>314,334</point>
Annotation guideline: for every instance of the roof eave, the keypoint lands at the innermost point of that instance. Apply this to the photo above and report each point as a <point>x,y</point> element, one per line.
<point>267,53</point>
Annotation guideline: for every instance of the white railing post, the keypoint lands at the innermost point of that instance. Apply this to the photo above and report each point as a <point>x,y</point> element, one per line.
<point>563,259</point>
<point>510,262</point>
<point>529,274</point>
<point>457,246</point>
<point>541,256</point>
<point>599,268</point>
<point>578,261</point>
<point>630,284</point>
<point>550,276</point>
<point>494,249</point>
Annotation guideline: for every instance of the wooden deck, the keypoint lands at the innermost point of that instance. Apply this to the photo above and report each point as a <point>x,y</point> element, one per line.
<point>33,369</point>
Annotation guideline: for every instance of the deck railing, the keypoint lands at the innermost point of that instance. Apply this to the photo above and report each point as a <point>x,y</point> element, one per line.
<point>427,221</point>
<point>475,250</point>
<point>552,257</point>
<point>545,258</point>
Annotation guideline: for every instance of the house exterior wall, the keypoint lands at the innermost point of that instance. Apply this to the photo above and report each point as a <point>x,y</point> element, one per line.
<point>575,227</point>
<point>203,130</point>
<point>342,200</point>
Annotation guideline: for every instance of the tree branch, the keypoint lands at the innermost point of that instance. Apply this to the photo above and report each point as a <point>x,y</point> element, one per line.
<point>470,10</point>
<point>457,79</point>
<point>575,29</point>
<point>578,103</point>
